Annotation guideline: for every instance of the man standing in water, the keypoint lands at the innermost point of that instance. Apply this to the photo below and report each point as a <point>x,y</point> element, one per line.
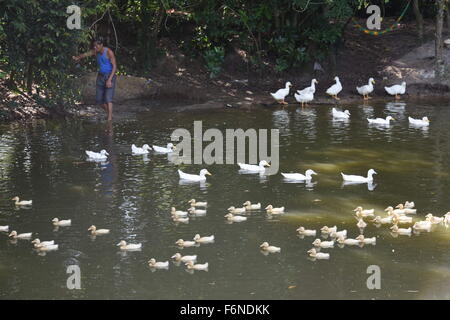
<point>106,78</point>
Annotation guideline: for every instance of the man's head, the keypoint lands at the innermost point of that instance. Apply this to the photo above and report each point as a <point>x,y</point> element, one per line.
<point>98,44</point>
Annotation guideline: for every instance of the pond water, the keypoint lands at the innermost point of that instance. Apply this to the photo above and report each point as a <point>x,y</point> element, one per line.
<point>132,196</point>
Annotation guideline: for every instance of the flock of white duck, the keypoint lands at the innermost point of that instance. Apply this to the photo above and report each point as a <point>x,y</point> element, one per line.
<point>394,218</point>
<point>307,95</point>
<point>42,247</point>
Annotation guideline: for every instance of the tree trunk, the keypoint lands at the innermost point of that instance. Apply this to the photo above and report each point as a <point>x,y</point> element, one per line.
<point>145,35</point>
<point>30,79</point>
<point>11,82</point>
<point>276,16</point>
<point>159,17</point>
<point>448,17</point>
<point>439,47</point>
<point>419,19</point>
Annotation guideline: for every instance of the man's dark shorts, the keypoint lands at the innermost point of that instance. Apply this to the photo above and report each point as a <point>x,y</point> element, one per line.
<point>104,94</point>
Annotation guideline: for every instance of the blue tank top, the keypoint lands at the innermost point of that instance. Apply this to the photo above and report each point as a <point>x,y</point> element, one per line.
<point>104,65</point>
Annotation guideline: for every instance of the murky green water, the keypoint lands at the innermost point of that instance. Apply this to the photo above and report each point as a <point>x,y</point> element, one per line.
<point>132,196</point>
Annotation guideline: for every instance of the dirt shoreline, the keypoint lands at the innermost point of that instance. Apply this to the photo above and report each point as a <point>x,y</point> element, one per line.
<point>131,108</point>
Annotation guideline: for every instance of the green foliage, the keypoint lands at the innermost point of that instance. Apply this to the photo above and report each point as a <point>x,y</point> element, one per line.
<point>200,40</point>
<point>288,53</point>
<point>37,47</point>
<point>292,32</point>
<point>214,60</point>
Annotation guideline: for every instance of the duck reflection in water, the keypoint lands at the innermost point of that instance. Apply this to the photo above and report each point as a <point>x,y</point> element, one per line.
<point>109,172</point>
<point>370,185</point>
<point>202,184</point>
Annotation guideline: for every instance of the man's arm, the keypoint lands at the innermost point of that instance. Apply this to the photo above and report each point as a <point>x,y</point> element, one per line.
<point>84,55</point>
<point>112,58</point>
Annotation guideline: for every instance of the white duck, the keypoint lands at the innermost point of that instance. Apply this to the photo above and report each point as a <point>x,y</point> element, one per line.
<point>423,226</point>
<point>23,202</point>
<point>398,219</point>
<point>318,255</point>
<point>361,213</point>
<point>353,178</point>
<point>194,203</point>
<point>323,244</point>
<point>185,244</point>
<point>326,229</point>
<point>194,177</point>
<point>61,223</point>
<point>311,88</point>
<point>298,176</point>
<point>380,220</point>
<point>197,212</point>
<point>304,97</point>
<point>348,242</point>
<point>51,247</point>
<point>94,231</point>
<point>199,239</point>
<point>266,247</point>
<point>170,147</point>
<point>138,151</point>
<point>381,120</point>
<point>4,228</point>
<point>178,257</point>
<point>178,213</point>
<point>38,243</point>
<point>339,234</point>
<point>306,232</point>
<point>419,122</point>
<point>152,263</point>
<point>257,168</point>
<point>281,94</point>
<point>406,210</point>
<point>434,219</point>
<point>203,267</point>
<point>367,89</point>
<point>397,89</point>
<point>335,88</point>
<point>409,205</point>
<point>340,114</point>
<point>234,210</point>
<point>102,155</point>
<point>129,247</point>
<point>391,211</point>
<point>250,206</point>
<point>401,231</point>
<point>14,235</point>
<point>270,209</point>
<point>446,218</point>
<point>233,218</point>
<point>364,240</point>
